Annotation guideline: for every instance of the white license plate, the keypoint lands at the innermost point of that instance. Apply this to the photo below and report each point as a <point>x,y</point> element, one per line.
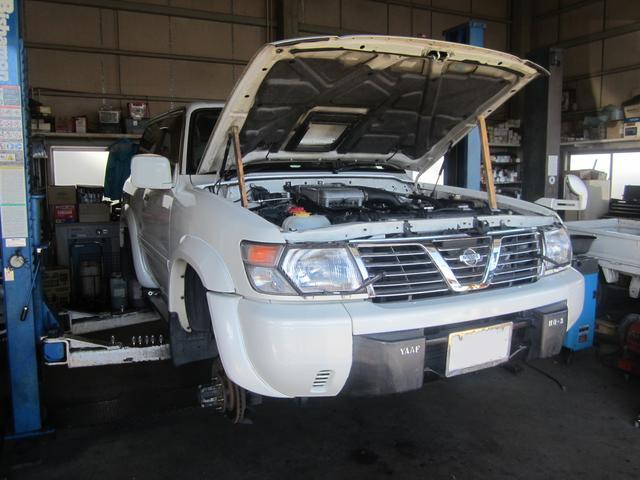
<point>478,348</point>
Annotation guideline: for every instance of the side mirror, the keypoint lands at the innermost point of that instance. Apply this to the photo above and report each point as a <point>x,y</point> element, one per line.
<point>151,171</point>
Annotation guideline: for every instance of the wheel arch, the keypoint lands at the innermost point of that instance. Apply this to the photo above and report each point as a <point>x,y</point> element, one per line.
<point>208,264</point>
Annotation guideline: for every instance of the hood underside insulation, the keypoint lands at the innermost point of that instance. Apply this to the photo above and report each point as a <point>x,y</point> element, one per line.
<point>410,106</point>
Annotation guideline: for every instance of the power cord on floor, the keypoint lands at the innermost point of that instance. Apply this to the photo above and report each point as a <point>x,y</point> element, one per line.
<point>562,386</point>
<point>524,348</point>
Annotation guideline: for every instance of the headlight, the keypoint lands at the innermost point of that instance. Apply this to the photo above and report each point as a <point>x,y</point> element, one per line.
<point>260,263</point>
<point>557,249</point>
<point>321,270</point>
<point>277,270</point>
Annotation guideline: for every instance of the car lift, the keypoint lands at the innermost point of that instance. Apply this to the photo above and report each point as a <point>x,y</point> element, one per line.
<point>462,168</point>
<point>28,321</point>
<point>24,316</point>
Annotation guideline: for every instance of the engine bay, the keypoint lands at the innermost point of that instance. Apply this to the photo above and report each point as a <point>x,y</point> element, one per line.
<point>308,206</point>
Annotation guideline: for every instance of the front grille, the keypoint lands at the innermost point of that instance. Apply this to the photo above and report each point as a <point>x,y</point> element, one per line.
<point>409,271</point>
<point>451,249</point>
<point>519,259</point>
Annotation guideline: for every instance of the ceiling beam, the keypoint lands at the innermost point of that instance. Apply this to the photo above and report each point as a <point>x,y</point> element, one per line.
<point>448,11</point>
<point>594,37</point>
<point>568,8</point>
<point>167,10</point>
<point>132,53</point>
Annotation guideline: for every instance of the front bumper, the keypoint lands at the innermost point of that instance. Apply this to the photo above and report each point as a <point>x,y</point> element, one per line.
<point>307,349</point>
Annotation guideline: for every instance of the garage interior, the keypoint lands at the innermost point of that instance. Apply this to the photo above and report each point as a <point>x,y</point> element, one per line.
<point>87,75</point>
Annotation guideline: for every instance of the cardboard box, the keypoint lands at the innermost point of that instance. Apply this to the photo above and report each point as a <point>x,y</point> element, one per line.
<point>80,124</point>
<point>631,129</point>
<point>631,111</point>
<point>65,213</point>
<point>61,195</point>
<point>94,212</point>
<point>53,277</point>
<point>134,126</point>
<point>615,129</point>
<point>89,194</point>
<point>56,283</point>
<point>589,174</point>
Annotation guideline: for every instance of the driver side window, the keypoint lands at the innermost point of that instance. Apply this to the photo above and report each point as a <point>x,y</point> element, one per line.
<point>164,137</point>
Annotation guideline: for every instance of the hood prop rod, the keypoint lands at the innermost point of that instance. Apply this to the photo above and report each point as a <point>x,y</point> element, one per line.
<point>235,133</point>
<point>486,161</point>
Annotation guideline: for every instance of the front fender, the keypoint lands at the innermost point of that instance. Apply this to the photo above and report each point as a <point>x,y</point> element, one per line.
<point>208,264</point>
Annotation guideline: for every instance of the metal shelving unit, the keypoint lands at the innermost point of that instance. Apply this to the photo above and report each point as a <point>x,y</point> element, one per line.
<point>99,136</point>
<point>514,188</point>
<point>601,146</point>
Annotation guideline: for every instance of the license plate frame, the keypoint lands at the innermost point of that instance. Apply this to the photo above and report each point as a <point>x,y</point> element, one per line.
<point>485,347</point>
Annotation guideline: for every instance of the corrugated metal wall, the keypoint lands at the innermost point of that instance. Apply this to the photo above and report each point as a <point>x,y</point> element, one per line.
<point>83,53</point>
<point>601,41</point>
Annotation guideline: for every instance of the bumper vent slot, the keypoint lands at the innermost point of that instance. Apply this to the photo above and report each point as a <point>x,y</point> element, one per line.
<point>321,381</point>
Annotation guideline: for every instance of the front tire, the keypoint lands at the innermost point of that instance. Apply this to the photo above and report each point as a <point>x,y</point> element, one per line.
<point>230,399</point>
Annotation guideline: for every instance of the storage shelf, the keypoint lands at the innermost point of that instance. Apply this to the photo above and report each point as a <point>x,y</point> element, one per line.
<point>505,145</point>
<point>506,164</point>
<point>604,145</point>
<point>106,136</point>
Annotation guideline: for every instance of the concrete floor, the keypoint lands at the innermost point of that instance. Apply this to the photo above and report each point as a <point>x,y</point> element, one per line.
<point>137,422</point>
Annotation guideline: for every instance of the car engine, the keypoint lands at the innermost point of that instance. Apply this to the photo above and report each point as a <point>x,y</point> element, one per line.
<point>300,207</point>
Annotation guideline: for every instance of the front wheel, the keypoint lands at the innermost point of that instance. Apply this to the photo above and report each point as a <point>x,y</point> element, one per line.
<point>221,393</point>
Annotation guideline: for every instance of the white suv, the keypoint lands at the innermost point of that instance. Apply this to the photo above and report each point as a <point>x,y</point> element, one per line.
<point>308,260</point>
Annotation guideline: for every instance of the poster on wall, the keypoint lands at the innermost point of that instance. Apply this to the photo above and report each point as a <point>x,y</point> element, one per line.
<point>13,193</point>
<point>13,196</point>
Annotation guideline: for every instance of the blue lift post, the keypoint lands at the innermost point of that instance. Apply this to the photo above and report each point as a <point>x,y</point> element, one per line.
<point>17,226</point>
<point>466,171</point>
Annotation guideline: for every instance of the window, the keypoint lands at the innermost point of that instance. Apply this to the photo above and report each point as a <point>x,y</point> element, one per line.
<point>431,175</point>
<point>150,138</point>
<point>202,123</point>
<point>78,165</point>
<point>599,161</point>
<point>163,138</point>
<point>169,145</point>
<point>622,168</point>
<point>625,170</point>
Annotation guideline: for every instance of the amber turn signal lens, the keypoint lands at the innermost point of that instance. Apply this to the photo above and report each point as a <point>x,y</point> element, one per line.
<point>261,254</point>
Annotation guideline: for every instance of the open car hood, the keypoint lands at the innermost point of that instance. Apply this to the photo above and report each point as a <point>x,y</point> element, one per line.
<point>372,99</point>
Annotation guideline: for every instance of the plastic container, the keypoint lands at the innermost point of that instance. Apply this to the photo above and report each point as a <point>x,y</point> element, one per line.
<point>90,279</point>
<point>135,293</point>
<point>296,223</point>
<point>118,290</point>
